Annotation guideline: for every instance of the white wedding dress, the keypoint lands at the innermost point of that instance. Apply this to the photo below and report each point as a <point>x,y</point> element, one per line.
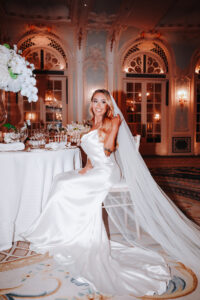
<point>72,230</point>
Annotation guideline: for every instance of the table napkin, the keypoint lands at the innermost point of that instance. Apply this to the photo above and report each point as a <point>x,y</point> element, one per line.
<point>12,146</point>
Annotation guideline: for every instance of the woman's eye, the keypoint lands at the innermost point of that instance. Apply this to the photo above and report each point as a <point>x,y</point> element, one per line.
<point>95,101</point>
<point>103,102</point>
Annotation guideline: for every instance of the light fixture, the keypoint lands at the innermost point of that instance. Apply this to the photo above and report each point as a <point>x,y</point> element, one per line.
<point>182,97</point>
<point>48,95</point>
<point>197,69</point>
<point>131,105</point>
<point>140,94</point>
<point>58,116</point>
<point>157,116</point>
<point>30,116</point>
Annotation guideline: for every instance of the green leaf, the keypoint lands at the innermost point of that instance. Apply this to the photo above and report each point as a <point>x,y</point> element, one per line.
<point>12,75</point>
<point>9,126</point>
<point>7,46</point>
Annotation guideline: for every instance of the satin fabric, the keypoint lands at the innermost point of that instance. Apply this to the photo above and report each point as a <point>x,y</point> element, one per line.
<point>71,229</point>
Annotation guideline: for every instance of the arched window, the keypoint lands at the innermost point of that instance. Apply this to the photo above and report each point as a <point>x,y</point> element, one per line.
<point>144,63</point>
<point>50,62</point>
<point>145,69</point>
<point>46,59</point>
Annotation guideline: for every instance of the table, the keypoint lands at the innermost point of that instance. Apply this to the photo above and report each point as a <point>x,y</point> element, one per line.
<point>25,181</point>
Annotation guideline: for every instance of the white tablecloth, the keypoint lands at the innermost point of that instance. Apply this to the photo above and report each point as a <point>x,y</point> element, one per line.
<point>25,181</point>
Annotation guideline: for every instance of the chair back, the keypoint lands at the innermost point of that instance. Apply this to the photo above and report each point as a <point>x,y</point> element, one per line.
<point>137,140</point>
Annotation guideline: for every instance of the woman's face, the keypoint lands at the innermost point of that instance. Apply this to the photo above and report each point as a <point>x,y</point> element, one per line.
<point>99,105</point>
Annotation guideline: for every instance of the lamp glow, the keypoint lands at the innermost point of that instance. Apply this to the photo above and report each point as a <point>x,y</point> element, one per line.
<point>182,97</point>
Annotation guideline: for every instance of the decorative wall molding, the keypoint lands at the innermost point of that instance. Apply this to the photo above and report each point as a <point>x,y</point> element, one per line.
<point>60,11</point>
<point>95,57</point>
<point>100,22</point>
<point>181,144</point>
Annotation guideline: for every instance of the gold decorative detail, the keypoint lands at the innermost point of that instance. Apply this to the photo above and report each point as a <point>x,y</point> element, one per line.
<point>22,262</point>
<point>193,282</point>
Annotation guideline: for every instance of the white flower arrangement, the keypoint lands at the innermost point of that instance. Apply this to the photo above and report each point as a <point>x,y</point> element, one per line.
<point>16,74</point>
<point>77,127</point>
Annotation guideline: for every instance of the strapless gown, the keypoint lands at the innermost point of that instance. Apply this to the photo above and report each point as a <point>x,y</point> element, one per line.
<point>71,229</point>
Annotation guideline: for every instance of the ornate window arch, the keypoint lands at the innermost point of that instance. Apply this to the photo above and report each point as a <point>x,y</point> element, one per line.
<point>46,59</point>
<point>44,50</point>
<point>145,58</point>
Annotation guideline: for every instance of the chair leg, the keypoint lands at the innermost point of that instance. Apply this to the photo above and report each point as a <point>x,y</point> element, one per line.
<point>137,227</point>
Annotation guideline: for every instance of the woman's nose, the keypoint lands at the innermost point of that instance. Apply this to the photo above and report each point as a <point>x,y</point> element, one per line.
<point>99,104</point>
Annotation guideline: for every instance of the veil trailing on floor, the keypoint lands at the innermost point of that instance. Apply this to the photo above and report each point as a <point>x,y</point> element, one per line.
<point>155,212</point>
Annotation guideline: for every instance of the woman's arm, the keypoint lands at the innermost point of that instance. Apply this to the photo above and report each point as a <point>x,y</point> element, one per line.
<point>87,167</point>
<point>110,139</point>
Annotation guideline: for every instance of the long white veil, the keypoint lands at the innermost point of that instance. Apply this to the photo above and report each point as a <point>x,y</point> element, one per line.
<point>156,213</point>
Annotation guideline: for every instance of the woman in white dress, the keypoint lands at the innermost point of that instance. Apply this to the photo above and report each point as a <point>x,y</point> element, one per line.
<point>71,228</point>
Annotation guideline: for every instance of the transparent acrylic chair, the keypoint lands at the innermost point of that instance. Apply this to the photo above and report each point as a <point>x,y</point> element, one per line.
<point>122,187</point>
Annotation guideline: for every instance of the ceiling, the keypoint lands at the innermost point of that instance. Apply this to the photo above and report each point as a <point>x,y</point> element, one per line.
<point>143,14</point>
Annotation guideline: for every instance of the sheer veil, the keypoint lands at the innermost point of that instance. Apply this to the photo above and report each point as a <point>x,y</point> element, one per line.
<point>155,212</point>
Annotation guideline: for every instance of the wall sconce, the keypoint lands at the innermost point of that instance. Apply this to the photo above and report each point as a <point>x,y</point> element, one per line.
<point>131,105</point>
<point>30,116</point>
<point>197,67</point>
<point>49,96</point>
<point>157,117</point>
<point>182,98</point>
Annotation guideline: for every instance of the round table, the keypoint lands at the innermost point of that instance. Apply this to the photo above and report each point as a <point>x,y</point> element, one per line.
<point>25,182</point>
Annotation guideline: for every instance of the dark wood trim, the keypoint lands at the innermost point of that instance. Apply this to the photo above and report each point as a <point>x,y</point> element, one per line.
<point>48,72</point>
<point>129,75</point>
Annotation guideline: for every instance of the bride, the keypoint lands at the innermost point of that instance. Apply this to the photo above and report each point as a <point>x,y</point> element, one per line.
<point>71,228</point>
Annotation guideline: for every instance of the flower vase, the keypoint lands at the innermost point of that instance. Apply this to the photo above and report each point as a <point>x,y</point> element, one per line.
<point>3,113</point>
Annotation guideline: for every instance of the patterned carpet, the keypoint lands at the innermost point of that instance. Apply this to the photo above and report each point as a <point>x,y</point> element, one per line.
<point>27,275</point>
<point>182,185</point>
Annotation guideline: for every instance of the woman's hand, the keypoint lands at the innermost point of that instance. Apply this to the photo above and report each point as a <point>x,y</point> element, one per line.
<point>83,171</point>
<point>87,167</point>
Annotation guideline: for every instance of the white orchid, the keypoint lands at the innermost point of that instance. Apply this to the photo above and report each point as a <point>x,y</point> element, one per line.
<point>16,74</point>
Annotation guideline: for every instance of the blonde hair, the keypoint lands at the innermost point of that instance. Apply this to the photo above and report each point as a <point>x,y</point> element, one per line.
<point>106,122</point>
